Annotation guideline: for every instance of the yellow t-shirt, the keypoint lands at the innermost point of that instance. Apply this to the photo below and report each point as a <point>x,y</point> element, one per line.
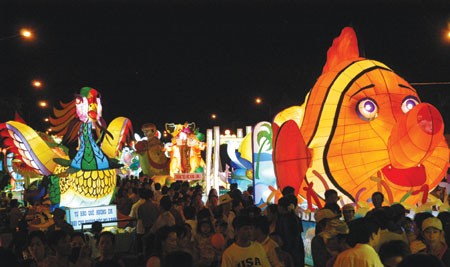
<point>253,255</point>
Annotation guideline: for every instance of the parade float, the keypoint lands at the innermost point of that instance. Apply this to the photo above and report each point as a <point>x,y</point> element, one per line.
<point>82,178</point>
<point>361,129</point>
<point>251,164</point>
<point>150,150</point>
<point>184,150</point>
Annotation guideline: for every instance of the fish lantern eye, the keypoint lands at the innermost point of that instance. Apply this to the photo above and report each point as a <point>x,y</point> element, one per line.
<point>409,103</point>
<point>367,109</point>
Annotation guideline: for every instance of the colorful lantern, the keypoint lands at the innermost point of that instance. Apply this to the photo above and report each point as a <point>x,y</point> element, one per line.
<point>361,129</point>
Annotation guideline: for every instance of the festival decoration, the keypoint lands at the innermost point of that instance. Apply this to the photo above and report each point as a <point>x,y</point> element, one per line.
<point>151,152</point>
<point>89,177</point>
<point>240,154</point>
<point>361,129</point>
<point>185,150</point>
<point>264,176</point>
<point>130,161</point>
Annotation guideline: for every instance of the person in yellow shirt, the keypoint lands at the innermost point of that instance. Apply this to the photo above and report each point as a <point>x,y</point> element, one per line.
<point>364,235</point>
<point>244,252</point>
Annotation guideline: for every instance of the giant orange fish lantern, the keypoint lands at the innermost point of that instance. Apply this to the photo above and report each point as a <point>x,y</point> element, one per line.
<point>361,129</point>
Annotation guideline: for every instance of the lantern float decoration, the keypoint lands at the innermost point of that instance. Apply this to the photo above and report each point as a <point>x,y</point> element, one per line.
<point>185,150</point>
<point>151,152</point>
<point>361,129</point>
<point>89,178</point>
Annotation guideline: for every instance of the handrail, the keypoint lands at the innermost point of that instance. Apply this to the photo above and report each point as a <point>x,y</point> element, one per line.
<point>121,220</point>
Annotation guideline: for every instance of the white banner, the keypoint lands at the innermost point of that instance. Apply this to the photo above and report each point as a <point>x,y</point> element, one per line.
<point>104,214</point>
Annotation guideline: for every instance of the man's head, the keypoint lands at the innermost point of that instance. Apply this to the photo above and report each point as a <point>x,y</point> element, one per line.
<point>377,199</point>
<point>331,196</point>
<point>288,190</point>
<point>233,186</point>
<point>348,210</point>
<point>58,215</point>
<point>364,231</point>
<point>393,252</point>
<point>106,242</point>
<point>432,230</point>
<point>243,228</point>
<point>165,203</point>
<point>97,227</point>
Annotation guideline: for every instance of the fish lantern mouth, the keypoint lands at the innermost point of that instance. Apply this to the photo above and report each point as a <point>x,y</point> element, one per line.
<point>415,176</point>
<point>413,139</point>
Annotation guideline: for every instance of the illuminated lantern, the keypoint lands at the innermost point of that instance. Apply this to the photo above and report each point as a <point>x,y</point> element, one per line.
<point>361,129</point>
<point>185,149</point>
<point>89,178</point>
<point>150,150</point>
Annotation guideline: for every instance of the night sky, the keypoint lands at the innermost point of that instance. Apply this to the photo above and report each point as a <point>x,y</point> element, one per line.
<point>176,61</point>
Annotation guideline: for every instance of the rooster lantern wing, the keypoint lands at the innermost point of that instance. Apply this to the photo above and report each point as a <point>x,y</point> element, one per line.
<point>361,129</point>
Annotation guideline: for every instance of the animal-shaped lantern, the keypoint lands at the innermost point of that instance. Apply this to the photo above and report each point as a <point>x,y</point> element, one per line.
<point>361,129</point>
<point>185,149</point>
<point>150,150</point>
<point>88,178</point>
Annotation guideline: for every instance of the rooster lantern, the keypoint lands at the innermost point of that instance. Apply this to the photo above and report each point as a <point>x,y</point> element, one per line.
<point>361,129</point>
<point>89,178</point>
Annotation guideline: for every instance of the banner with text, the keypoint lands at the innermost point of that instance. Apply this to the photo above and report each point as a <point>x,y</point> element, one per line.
<point>104,214</point>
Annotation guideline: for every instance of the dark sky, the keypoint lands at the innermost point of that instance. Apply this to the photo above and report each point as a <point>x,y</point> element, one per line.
<point>176,61</point>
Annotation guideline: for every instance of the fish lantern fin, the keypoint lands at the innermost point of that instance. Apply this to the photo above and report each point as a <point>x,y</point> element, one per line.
<point>291,157</point>
<point>344,47</point>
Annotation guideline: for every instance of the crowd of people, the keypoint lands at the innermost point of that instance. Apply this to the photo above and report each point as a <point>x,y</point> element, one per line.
<point>174,226</point>
<point>384,236</point>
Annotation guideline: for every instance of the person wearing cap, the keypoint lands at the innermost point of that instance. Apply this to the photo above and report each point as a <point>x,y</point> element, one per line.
<point>348,211</point>
<point>364,235</point>
<point>322,216</point>
<point>60,222</point>
<point>331,227</point>
<point>244,251</point>
<point>228,215</point>
<point>432,232</point>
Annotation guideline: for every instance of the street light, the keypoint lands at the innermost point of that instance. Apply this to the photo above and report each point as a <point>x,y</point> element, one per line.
<point>43,104</point>
<point>25,33</point>
<point>36,84</point>
<point>259,101</point>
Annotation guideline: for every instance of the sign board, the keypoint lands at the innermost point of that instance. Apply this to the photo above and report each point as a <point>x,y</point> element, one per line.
<point>188,176</point>
<point>104,214</point>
